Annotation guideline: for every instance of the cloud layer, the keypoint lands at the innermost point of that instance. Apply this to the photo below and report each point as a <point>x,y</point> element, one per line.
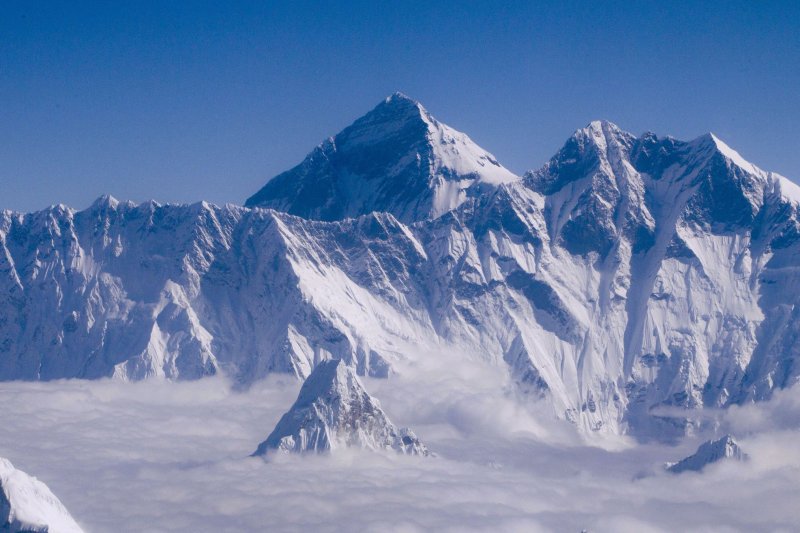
<point>157,456</point>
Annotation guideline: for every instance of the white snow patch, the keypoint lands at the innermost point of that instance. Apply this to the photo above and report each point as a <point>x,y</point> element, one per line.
<point>32,505</point>
<point>788,189</point>
<point>734,156</point>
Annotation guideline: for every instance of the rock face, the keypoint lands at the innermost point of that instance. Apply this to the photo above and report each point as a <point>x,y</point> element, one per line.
<point>709,452</point>
<point>626,275</point>
<point>28,506</point>
<point>397,158</point>
<point>333,411</point>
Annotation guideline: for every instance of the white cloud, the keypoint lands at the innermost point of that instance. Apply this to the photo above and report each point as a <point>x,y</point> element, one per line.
<point>173,457</point>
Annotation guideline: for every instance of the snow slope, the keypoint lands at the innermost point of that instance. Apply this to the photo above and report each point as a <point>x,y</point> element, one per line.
<point>27,505</point>
<point>629,281</point>
<point>334,410</point>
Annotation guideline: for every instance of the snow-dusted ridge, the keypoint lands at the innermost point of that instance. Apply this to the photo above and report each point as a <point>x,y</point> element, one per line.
<point>710,452</point>
<point>28,506</point>
<point>333,410</point>
<point>626,277</point>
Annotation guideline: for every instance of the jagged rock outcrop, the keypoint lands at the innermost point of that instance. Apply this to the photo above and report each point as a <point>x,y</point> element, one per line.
<point>708,453</point>
<point>28,506</point>
<point>333,411</point>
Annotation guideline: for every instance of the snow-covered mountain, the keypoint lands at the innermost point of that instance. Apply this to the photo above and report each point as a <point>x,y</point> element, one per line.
<point>627,278</point>
<point>709,452</point>
<point>397,158</point>
<point>334,410</point>
<point>28,506</point>
<point>135,291</point>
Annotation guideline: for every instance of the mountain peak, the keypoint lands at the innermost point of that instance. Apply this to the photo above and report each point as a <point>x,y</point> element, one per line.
<point>398,97</point>
<point>396,105</point>
<point>709,452</point>
<point>105,201</point>
<point>602,126</point>
<point>604,133</point>
<point>397,158</point>
<point>334,410</point>
<point>598,145</point>
<point>718,145</point>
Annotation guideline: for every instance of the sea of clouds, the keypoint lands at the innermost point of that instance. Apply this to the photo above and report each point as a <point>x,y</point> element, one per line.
<point>156,456</point>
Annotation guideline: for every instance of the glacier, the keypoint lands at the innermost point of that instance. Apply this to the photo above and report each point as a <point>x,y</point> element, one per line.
<point>628,282</point>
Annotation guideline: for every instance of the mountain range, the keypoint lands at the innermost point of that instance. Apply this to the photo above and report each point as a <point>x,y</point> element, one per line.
<point>627,282</point>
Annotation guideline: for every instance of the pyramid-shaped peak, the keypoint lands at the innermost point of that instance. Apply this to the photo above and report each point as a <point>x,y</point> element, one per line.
<point>400,98</point>
<point>105,201</point>
<point>327,379</point>
<point>333,410</point>
<point>710,452</point>
<point>396,106</point>
<point>397,159</point>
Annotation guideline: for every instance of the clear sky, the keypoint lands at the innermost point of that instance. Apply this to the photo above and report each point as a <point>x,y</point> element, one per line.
<point>185,101</point>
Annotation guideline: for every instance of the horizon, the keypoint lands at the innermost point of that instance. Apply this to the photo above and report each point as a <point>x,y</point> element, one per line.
<point>181,105</point>
<point>103,196</point>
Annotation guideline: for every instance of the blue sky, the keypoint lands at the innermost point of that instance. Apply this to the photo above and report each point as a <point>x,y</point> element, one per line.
<point>197,100</point>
